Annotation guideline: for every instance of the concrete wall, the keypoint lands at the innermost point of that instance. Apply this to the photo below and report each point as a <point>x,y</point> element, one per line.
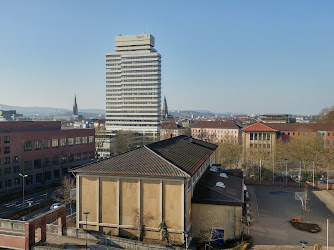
<point>114,204</point>
<point>205,216</point>
<point>12,241</point>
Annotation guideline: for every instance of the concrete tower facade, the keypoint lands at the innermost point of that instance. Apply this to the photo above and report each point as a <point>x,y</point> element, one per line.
<point>133,85</point>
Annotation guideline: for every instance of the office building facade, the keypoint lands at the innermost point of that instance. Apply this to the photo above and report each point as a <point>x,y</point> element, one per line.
<point>42,151</point>
<point>133,85</point>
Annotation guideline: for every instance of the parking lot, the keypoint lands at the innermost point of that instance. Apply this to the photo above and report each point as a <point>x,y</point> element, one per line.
<point>273,207</point>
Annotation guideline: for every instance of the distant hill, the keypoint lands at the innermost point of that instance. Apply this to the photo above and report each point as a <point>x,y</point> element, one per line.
<point>49,111</point>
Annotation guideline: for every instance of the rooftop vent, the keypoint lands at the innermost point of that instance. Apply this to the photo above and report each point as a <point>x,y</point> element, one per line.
<point>223,175</point>
<point>220,184</point>
<point>214,169</point>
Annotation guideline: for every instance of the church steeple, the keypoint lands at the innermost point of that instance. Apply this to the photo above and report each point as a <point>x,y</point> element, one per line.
<point>164,109</point>
<point>75,106</point>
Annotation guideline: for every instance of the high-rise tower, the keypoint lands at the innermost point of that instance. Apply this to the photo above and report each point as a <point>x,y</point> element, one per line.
<point>133,85</point>
<point>75,106</point>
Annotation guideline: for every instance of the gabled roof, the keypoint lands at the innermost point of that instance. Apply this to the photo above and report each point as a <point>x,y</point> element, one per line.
<point>260,127</point>
<point>140,161</point>
<point>176,157</point>
<point>216,124</point>
<point>310,127</point>
<point>307,127</point>
<point>184,152</point>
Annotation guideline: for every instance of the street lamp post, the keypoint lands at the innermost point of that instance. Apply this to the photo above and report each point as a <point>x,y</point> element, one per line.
<point>23,176</point>
<point>186,234</point>
<point>86,214</point>
<point>303,242</point>
<point>29,210</point>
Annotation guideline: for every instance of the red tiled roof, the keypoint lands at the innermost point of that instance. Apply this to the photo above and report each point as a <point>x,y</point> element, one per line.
<point>310,127</point>
<point>170,125</point>
<point>216,124</point>
<point>259,127</point>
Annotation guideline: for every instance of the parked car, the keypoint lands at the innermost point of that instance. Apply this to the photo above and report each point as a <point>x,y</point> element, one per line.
<point>299,181</point>
<point>55,205</point>
<point>320,182</point>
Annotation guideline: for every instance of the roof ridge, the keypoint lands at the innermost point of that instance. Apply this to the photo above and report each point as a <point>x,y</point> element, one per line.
<point>172,164</point>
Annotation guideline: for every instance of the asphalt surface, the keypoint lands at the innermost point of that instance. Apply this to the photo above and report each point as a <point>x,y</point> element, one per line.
<point>272,208</point>
<point>10,207</point>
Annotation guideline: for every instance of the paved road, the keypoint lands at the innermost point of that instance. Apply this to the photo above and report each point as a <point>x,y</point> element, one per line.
<point>272,208</point>
<point>8,208</point>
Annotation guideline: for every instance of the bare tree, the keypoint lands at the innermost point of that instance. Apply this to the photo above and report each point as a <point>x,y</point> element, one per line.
<point>229,152</point>
<point>140,222</point>
<point>123,142</point>
<point>63,193</point>
<point>326,115</point>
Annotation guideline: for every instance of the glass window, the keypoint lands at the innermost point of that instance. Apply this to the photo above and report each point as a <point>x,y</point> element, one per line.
<point>55,161</point>
<point>91,154</point>
<point>6,160</point>
<point>29,179</point>
<point>6,150</point>
<point>63,159</point>
<point>91,139</point>
<point>27,165</point>
<point>46,144</point>
<point>255,136</point>
<point>8,171</point>
<point>63,142</point>
<point>71,158</point>
<point>78,156</point>
<point>37,145</point>
<point>27,146</point>
<point>84,139</point>
<point>16,169</point>
<point>17,181</point>
<point>251,136</point>
<point>70,141</point>
<point>6,139</point>
<point>39,178</point>
<point>8,183</point>
<point>54,143</point>
<point>37,163</point>
<point>77,140</point>
<point>47,175</point>
<point>56,174</point>
<point>46,162</point>
<point>84,155</point>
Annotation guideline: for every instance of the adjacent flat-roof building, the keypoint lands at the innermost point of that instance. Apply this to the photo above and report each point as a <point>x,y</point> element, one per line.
<point>41,150</point>
<point>133,85</point>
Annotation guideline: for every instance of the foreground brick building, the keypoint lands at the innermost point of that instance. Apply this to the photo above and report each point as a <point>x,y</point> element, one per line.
<point>41,150</point>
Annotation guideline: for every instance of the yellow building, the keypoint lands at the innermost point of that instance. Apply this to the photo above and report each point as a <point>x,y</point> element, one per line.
<point>151,184</point>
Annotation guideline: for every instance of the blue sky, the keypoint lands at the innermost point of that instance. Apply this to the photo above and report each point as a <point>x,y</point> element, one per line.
<point>223,56</point>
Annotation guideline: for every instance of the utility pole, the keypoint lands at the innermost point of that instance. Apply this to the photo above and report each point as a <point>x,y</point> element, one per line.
<point>313,174</point>
<point>86,214</point>
<point>260,173</point>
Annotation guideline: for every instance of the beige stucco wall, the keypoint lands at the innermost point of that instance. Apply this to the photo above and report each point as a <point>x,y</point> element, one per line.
<point>108,200</point>
<point>150,202</point>
<point>119,218</point>
<point>205,216</point>
<point>128,201</point>
<point>88,199</point>
<point>172,204</point>
<point>189,195</point>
